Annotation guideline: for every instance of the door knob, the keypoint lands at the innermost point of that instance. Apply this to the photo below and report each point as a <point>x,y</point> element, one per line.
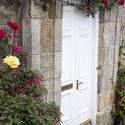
<point>77,84</point>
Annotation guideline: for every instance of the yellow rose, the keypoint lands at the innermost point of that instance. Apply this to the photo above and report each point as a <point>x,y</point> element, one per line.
<point>12,61</point>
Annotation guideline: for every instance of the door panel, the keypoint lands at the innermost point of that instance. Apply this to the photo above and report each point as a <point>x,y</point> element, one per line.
<point>83,66</point>
<point>76,66</point>
<point>68,67</point>
<point>67,106</point>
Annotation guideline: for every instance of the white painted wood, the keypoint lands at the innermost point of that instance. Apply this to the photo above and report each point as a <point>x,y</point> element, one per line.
<point>77,64</point>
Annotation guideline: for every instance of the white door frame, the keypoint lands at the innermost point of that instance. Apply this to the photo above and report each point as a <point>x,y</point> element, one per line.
<point>94,72</point>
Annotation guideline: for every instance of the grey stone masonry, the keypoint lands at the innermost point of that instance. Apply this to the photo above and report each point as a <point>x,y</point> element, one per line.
<point>109,42</point>
<point>42,37</point>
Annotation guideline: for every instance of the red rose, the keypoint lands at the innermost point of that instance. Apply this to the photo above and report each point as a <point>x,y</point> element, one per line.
<point>17,49</point>
<point>9,23</point>
<point>122,2</point>
<point>2,34</point>
<point>16,26</point>
<point>105,2</point>
<point>88,7</point>
<point>10,36</point>
<point>122,86</point>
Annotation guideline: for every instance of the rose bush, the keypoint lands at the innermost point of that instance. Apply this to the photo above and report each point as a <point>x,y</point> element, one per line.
<point>22,92</point>
<point>92,6</point>
<point>2,34</point>
<point>118,111</point>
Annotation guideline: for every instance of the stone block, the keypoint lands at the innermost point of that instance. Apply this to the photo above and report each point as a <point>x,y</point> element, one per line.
<point>101,17</point>
<point>3,17</point>
<point>36,39</point>
<point>52,9</point>
<point>116,58</point>
<point>109,34</point>
<point>27,36</point>
<point>57,64</point>
<point>111,56</point>
<point>105,98</point>
<point>101,101</point>
<point>104,117</point>
<point>109,97</point>
<point>118,34</point>
<point>102,81</point>
<point>11,12</point>
<point>47,65</point>
<point>47,35</point>
<point>50,87</point>
<point>3,26</point>
<point>35,62</point>
<point>59,9</point>
<point>110,15</point>
<point>57,91</point>
<point>120,13</point>
<point>2,8</point>
<point>58,34</point>
<point>105,80</point>
<point>31,36</point>
<point>103,56</point>
<point>101,31</point>
<point>37,11</point>
<point>27,10</point>
<point>115,74</point>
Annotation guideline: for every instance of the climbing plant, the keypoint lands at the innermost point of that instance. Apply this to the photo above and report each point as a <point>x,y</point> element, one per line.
<point>11,3</point>
<point>89,6</point>
<point>118,111</point>
<point>22,92</point>
<point>93,6</point>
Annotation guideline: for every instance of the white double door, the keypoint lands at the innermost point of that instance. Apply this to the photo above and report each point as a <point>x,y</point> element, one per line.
<point>76,66</point>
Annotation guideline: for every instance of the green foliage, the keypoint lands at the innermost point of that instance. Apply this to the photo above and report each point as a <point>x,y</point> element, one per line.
<point>21,103</point>
<point>11,3</point>
<point>118,111</point>
<point>5,46</point>
<point>23,110</point>
<point>93,6</point>
<point>22,92</point>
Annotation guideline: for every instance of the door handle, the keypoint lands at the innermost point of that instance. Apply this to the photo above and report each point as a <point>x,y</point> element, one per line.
<point>77,84</point>
<point>67,87</point>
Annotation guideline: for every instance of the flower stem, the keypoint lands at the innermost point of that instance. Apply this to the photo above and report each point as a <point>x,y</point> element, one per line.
<point>14,35</point>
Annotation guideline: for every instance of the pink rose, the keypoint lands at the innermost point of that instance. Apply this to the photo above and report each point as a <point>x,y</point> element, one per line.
<point>105,2</point>
<point>88,7</point>
<point>122,2</point>
<point>9,23</point>
<point>10,36</point>
<point>16,26</point>
<point>17,49</point>
<point>28,84</point>
<point>2,34</point>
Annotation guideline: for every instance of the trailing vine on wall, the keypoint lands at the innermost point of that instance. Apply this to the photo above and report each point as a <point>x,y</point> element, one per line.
<point>90,6</point>
<point>11,3</point>
<point>118,111</point>
<point>93,6</point>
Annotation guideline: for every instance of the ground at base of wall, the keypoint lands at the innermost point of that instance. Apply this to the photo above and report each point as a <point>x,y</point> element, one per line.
<point>104,117</point>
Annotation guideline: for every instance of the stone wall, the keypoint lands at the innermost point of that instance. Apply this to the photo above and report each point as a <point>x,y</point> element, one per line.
<point>109,42</point>
<point>42,42</point>
<point>42,36</point>
<point>123,37</point>
<point>6,15</point>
